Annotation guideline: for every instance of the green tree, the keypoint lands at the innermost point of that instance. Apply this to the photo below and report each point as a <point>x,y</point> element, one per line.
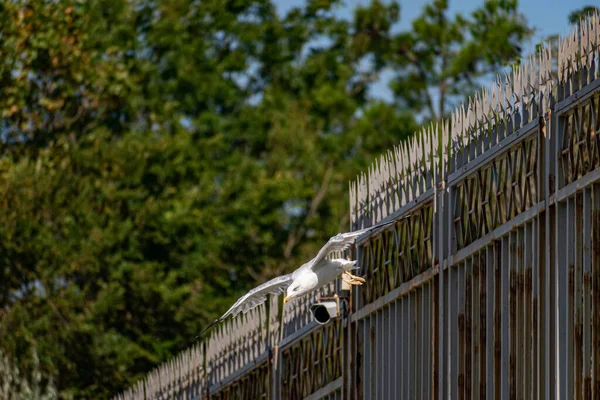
<point>577,15</point>
<point>160,157</point>
<point>442,58</point>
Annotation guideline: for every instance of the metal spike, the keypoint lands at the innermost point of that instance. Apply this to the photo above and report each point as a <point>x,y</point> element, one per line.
<point>494,99</point>
<point>517,84</point>
<point>501,85</point>
<point>464,124</point>
<point>486,104</point>
<point>352,201</point>
<point>574,48</point>
<point>508,93</point>
<point>478,107</point>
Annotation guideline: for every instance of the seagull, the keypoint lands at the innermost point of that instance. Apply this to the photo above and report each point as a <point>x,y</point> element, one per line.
<point>312,275</point>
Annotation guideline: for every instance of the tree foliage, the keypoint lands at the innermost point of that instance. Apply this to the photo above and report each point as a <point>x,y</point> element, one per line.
<point>160,157</point>
<point>580,14</point>
<point>440,59</point>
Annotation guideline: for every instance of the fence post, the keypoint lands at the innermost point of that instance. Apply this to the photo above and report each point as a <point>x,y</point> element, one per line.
<point>439,229</point>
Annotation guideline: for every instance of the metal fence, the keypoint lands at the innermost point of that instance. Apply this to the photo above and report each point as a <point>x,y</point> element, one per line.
<point>486,286</point>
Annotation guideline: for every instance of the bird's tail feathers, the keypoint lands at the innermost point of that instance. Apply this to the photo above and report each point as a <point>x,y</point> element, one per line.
<point>349,265</point>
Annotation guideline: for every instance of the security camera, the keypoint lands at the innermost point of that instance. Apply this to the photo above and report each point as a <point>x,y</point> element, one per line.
<point>323,311</point>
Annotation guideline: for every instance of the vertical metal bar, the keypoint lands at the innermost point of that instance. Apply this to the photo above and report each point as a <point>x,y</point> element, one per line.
<point>434,366</point>
<point>519,283</point>
<point>537,278</point>
<point>570,278</point>
<point>443,234</point>
<point>391,334</point>
<point>346,353</point>
<point>389,351</point>
<point>445,339</point>
<point>552,386</point>
<point>481,337</point>
<point>453,332</point>
<point>372,381</point>
<point>462,350</point>
<point>451,318</point>
<point>546,252</point>
<point>505,337</point>
<point>587,293</point>
<point>596,288</point>
<point>427,336</point>
<point>475,318</point>
<point>498,304</point>
<point>525,354</point>
<point>412,343</point>
<point>367,367</point>
<point>578,304</point>
<point>538,262</point>
<point>379,350</point>
<point>357,358</point>
<point>562,304</point>
<point>276,366</point>
<point>393,350</point>
<point>406,345</point>
<point>377,353</point>
<point>489,326</point>
<point>422,340</point>
<point>418,342</point>
<point>357,379</point>
<point>468,326</point>
<point>530,314</point>
<point>425,339</point>
<point>541,302</point>
<point>512,317</point>
<point>399,354</point>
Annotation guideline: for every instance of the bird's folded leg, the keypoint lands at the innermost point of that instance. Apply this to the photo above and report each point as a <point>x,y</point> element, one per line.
<point>351,282</point>
<point>355,278</point>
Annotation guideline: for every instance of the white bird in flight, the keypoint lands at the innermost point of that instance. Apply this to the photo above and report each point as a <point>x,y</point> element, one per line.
<point>316,273</point>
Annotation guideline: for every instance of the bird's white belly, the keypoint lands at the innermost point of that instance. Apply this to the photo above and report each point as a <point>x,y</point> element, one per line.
<point>328,271</point>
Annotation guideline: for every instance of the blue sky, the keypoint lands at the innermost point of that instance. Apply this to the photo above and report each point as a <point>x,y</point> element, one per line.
<point>547,16</point>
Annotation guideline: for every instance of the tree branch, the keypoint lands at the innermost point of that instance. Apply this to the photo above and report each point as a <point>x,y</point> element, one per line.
<point>297,234</point>
<point>423,74</point>
<point>444,55</point>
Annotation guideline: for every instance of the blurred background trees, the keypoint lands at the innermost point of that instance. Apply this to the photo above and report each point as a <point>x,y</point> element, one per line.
<point>158,158</point>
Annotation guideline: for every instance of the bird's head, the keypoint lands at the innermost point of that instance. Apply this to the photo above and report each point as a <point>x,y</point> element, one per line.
<point>297,288</point>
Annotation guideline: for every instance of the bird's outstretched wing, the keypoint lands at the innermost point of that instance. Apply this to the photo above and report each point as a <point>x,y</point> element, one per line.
<point>253,298</point>
<point>342,241</point>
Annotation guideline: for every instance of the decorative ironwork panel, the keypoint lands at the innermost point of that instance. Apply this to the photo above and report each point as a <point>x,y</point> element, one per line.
<point>313,362</point>
<point>394,348</point>
<point>580,149</point>
<point>578,288</point>
<point>251,386</point>
<point>236,342</point>
<point>496,193</point>
<point>397,254</point>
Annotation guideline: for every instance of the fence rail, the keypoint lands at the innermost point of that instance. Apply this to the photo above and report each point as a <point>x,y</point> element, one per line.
<point>486,286</point>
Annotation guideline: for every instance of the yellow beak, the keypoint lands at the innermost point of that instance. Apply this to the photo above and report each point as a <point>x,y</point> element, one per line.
<point>287,298</point>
